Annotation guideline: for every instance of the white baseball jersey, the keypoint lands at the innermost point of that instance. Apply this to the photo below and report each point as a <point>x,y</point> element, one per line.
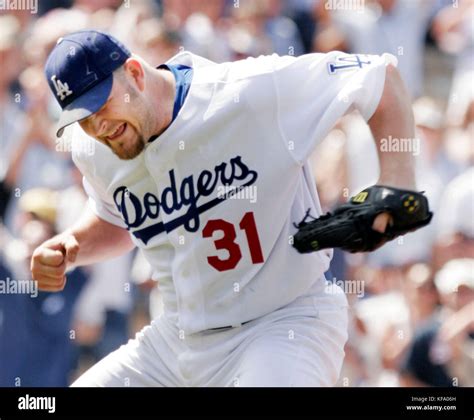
<point>222,260</point>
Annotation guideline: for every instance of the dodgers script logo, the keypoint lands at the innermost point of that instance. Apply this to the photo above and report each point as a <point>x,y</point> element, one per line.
<point>188,193</point>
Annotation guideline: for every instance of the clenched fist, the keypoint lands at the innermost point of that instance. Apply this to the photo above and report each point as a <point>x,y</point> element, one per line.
<point>50,261</point>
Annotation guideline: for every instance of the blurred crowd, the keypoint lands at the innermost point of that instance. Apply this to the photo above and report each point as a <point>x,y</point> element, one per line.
<point>411,302</point>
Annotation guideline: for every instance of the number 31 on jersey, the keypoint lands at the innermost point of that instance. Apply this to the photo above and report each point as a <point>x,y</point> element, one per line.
<point>227,242</point>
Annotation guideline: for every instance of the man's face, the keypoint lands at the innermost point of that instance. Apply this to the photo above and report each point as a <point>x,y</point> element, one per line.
<point>464,296</point>
<point>119,123</point>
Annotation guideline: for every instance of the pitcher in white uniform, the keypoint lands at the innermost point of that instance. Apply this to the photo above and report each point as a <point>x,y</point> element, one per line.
<point>204,167</point>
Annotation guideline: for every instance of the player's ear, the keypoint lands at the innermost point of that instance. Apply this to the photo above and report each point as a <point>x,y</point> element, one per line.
<point>135,72</point>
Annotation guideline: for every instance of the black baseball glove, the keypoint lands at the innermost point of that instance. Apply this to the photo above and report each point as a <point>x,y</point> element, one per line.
<point>350,226</point>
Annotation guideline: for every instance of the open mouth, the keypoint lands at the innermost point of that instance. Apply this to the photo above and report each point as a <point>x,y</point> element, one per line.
<point>118,132</point>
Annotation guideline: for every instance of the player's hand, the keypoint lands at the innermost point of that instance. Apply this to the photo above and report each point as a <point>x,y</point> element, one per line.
<point>381,222</point>
<point>50,261</point>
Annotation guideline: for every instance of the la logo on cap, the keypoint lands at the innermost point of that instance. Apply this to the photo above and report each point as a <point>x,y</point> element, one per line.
<point>62,89</point>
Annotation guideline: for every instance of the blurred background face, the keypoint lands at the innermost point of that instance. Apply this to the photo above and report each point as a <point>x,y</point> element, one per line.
<point>386,5</point>
<point>10,57</point>
<point>10,66</point>
<point>95,5</point>
<point>33,233</point>
<point>454,246</point>
<point>211,8</point>
<point>421,291</point>
<point>463,297</point>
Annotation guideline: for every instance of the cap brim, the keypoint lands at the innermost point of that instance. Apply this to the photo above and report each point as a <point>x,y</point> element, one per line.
<point>85,105</point>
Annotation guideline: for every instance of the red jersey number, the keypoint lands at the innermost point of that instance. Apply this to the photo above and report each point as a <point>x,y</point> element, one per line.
<point>227,242</point>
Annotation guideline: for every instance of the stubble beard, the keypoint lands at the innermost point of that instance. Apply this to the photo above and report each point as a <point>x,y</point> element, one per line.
<point>132,151</point>
<point>137,145</point>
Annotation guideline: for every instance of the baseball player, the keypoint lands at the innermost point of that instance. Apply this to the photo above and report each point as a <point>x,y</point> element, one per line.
<point>178,148</point>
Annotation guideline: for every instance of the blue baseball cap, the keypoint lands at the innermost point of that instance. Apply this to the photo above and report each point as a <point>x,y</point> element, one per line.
<point>79,72</point>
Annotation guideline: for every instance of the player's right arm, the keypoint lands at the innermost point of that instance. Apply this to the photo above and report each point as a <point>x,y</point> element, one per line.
<point>89,241</point>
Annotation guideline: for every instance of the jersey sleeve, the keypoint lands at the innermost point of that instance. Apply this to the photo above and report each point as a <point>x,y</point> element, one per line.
<point>315,90</point>
<point>101,206</point>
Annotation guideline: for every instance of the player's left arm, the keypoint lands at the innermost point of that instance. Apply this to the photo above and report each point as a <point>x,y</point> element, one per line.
<point>393,117</point>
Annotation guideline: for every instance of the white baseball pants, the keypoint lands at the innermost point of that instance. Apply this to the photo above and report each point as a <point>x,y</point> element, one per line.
<point>301,344</point>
